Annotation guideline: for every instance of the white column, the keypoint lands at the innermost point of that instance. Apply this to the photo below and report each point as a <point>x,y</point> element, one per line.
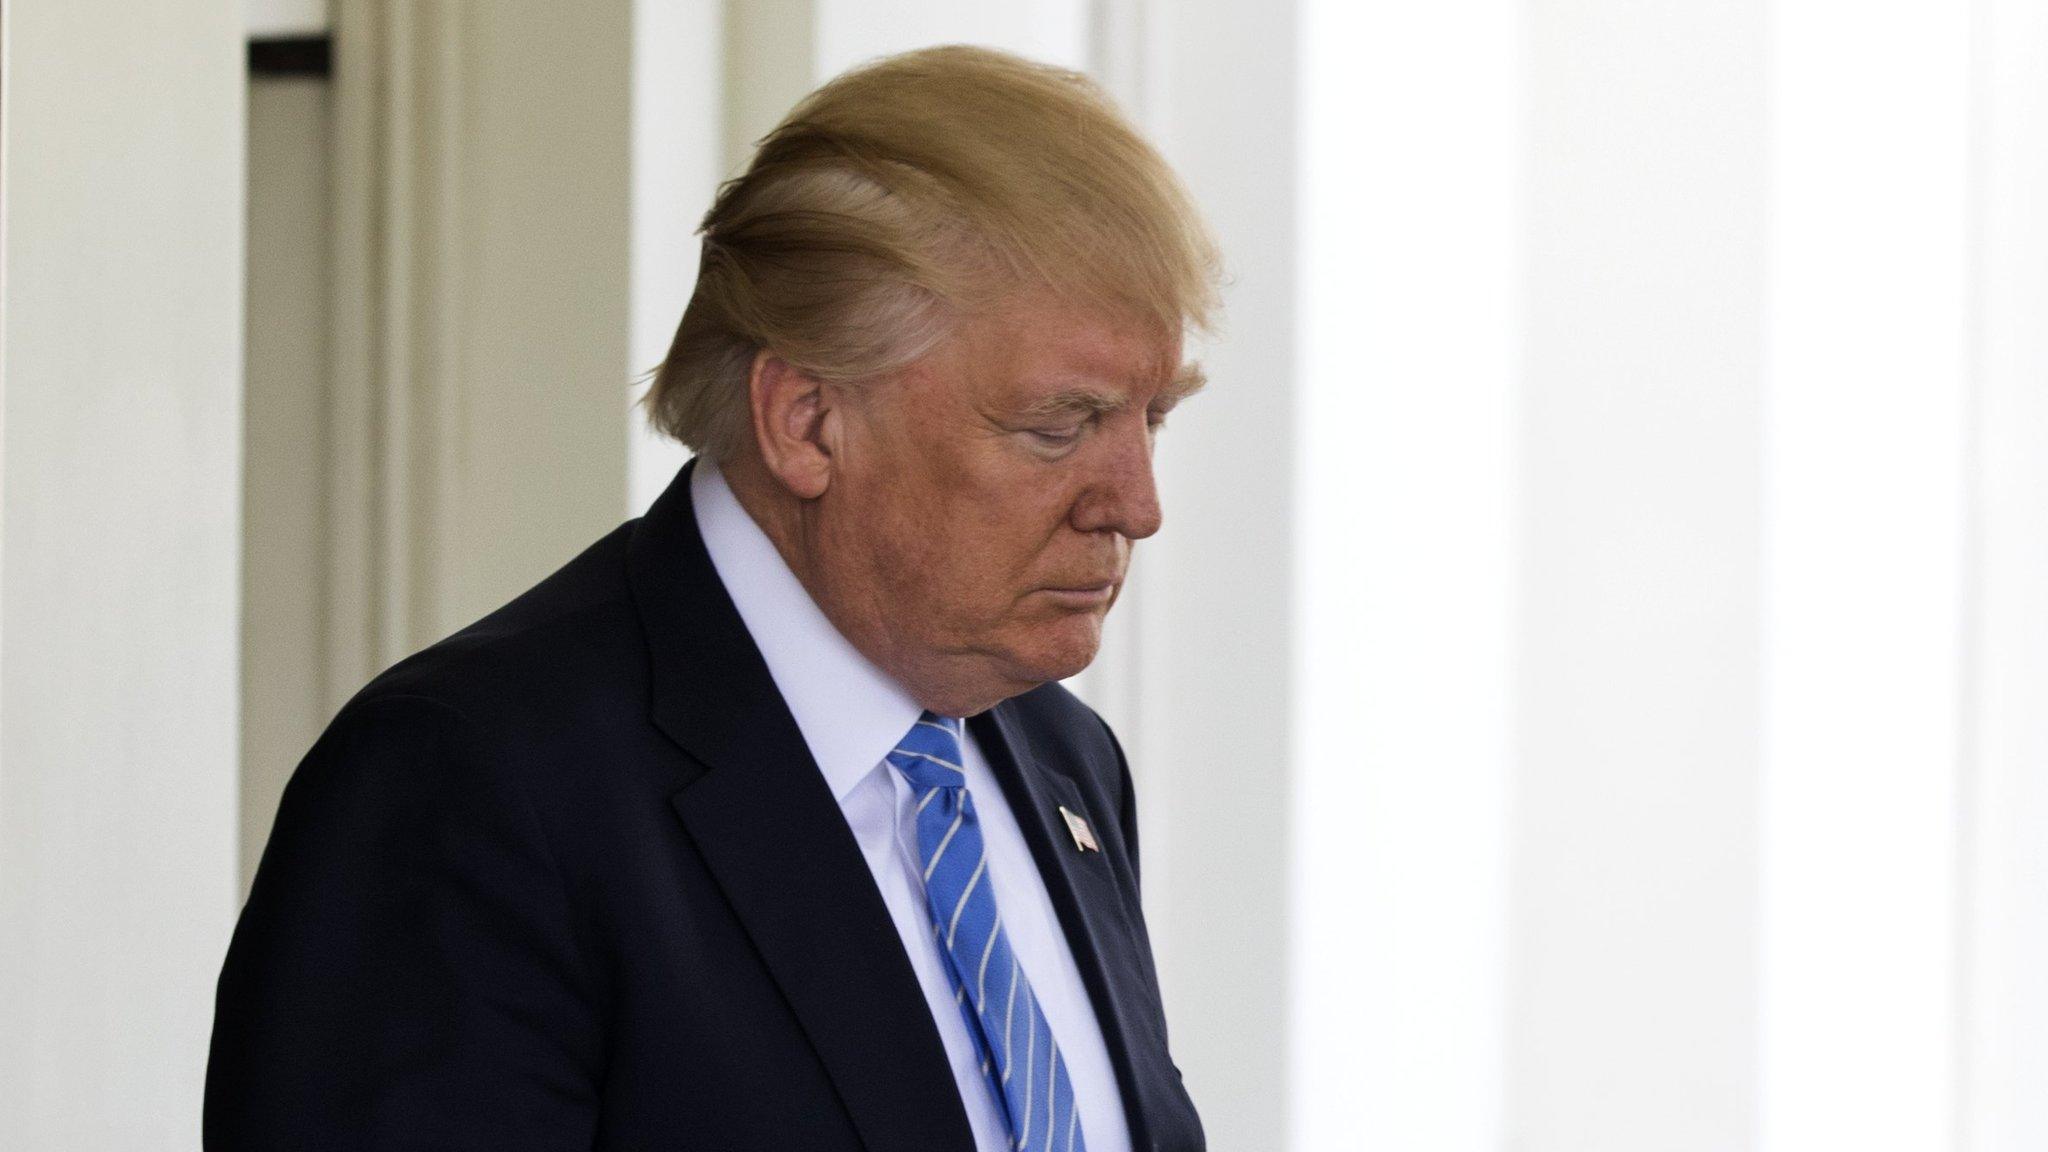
<point>678,150</point>
<point>2005,850</point>
<point>1410,330</point>
<point>848,32</point>
<point>1632,987</point>
<point>769,65</point>
<point>120,399</point>
<point>542,339</point>
<point>514,185</point>
<point>1868,365</point>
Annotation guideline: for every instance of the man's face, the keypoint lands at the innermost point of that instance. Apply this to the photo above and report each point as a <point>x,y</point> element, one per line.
<point>982,506</point>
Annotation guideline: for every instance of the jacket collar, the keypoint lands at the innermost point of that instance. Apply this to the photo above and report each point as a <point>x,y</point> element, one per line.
<point>772,835</point>
<point>1091,908</point>
<point>851,713</point>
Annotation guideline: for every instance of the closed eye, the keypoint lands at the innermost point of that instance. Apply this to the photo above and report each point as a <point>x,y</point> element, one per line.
<point>1056,437</point>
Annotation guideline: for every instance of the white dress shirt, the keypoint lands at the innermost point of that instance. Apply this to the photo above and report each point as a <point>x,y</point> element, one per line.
<point>852,714</point>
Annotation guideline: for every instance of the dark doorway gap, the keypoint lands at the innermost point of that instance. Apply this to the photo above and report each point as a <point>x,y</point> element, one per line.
<point>292,56</point>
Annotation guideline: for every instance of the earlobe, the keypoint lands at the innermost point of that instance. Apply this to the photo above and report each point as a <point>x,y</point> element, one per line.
<point>789,414</point>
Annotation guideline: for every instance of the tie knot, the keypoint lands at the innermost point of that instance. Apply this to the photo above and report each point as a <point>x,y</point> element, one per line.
<point>929,755</point>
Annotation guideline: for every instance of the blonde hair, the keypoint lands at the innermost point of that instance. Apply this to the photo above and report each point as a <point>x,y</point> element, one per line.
<point>907,194</point>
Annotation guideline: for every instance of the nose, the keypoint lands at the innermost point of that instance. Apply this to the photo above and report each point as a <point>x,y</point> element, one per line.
<point>1121,495</point>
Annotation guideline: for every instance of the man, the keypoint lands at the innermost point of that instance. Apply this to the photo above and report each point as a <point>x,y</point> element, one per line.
<point>764,824</point>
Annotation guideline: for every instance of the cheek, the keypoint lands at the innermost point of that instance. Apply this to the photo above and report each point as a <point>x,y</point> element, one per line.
<point>975,564</point>
<point>968,568</point>
<point>960,541</point>
<point>929,564</point>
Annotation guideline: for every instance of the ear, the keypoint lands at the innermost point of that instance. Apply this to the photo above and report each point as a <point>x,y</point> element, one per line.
<point>791,413</point>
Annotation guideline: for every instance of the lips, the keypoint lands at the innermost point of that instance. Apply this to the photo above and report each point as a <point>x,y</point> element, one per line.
<point>1086,584</point>
<point>1082,596</point>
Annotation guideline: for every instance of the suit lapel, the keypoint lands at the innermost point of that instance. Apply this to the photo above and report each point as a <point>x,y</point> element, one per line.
<point>772,835</point>
<point>1086,896</point>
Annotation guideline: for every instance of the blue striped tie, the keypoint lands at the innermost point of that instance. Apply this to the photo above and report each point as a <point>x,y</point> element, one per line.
<point>1019,1059</point>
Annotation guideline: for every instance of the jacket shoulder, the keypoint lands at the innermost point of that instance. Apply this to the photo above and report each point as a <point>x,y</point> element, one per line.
<point>568,651</point>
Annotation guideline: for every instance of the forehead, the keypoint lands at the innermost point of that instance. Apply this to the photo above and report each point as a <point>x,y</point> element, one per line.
<point>1037,347</point>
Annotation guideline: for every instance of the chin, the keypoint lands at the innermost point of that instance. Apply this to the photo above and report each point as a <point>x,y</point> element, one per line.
<point>1056,651</point>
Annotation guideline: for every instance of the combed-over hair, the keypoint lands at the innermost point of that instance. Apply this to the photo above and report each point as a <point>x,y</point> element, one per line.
<point>907,194</point>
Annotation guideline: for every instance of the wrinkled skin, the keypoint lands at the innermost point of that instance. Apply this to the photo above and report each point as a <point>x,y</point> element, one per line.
<point>967,523</point>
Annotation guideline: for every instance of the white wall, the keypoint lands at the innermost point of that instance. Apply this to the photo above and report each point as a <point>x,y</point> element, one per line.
<point>118,564</point>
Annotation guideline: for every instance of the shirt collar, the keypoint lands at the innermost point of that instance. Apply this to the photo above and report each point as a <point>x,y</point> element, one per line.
<point>850,712</point>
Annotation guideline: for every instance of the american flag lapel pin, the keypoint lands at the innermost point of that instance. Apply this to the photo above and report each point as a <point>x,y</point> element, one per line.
<point>1084,837</point>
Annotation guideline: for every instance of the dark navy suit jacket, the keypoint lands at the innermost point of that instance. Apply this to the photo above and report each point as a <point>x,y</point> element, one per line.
<point>570,879</point>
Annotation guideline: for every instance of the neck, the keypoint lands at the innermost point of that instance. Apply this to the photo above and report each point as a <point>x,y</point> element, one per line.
<point>780,514</point>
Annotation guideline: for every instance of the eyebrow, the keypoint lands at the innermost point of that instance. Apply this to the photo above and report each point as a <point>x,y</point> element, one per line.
<point>1187,380</point>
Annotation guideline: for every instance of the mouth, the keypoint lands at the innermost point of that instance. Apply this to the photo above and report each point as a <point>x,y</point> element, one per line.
<point>1082,596</point>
